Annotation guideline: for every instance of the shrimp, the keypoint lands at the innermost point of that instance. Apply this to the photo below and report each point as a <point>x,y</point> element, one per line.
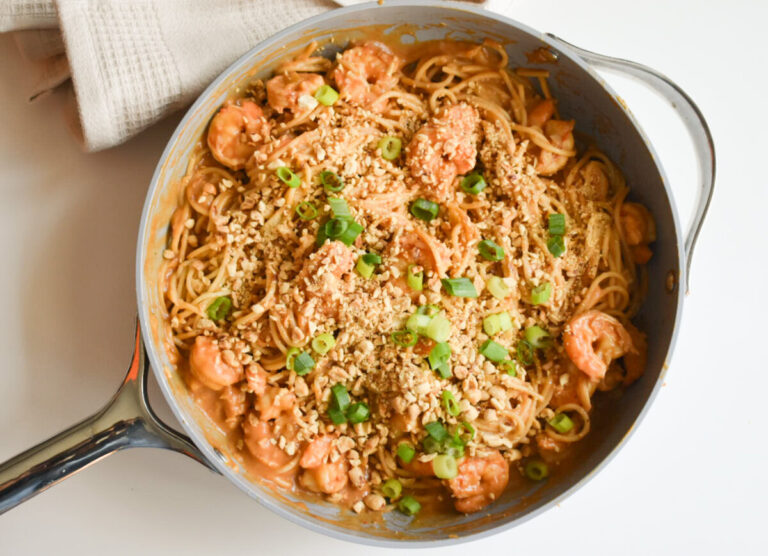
<point>444,147</point>
<point>274,402</point>
<point>256,378</point>
<point>260,439</point>
<point>316,452</point>
<point>208,366</point>
<point>596,184</point>
<point>593,339</point>
<point>293,91</point>
<point>233,401</point>
<point>541,112</point>
<point>634,362</point>
<point>560,134</point>
<point>235,131</point>
<point>480,481</point>
<point>326,478</point>
<point>639,230</point>
<point>366,72</point>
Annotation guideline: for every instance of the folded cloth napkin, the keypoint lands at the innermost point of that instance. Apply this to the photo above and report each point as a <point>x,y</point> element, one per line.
<point>120,65</point>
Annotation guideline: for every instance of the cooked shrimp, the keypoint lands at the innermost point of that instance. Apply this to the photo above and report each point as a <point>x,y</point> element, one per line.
<point>293,91</point>
<point>275,401</point>
<point>444,147</point>
<point>480,481</point>
<point>419,468</point>
<point>634,362</point>
<point>326,478</point>
<point>541,112</point>
<point>596,184</point>
<point>593,339</point>
<point>639,230</point>
<point>256,378</point>
<point>207,364</point>
<point>233,401</point>
<point>560,134</point>
<point>235,131</point>
<point>260,439</point>
<point>366,72</point>
<point>316,452</point>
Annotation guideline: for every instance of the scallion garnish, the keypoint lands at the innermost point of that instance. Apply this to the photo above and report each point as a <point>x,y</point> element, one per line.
<point>343,230</point>
<point>436,431</point>
<point>340,396</point>
<point>498,322</point>
<point>337,416</point>
<point>288,177</point>
<point>459,287</point>
<point>490,250</point>
<point>439,355</point>
<point>424,210</point>
<point>364,269</point>
<point>561,423</point>
<point>392,489</point>
<point>290,355</point>
<point>404,338</point>
<point>524,352</point>
<point>541,293</point>
<point>438,329</point>
<point>220,308</point>
<point>508,366</point>
<point>339,207</point>
<point>323,343</point>
<point>465,427</point>
<point>390,147</point>
<point>556,245</point>
<point>473,183</point>
<point>303,363</point>
<point>418,323</point>
<point>358,412</point>
<point>429,310</point>
<point>326,95</point>
<point>409,505</point>
<point>445,466</point>
<point>372,258</point>
<point>405,452</point>
<point>536,470</point>
<point>537,337</point>
<point>306,210</point>
<point>331,181</point>
<point>498,287</point>
<point>493,351</point>
<point>415,280</point>
<point>450,404</point>
<point>557,224</point>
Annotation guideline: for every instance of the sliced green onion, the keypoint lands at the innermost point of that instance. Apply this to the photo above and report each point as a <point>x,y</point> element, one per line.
<point>473,183</point>
<point>436,430</point>
<point>337,416</point>
<point>493,351</point>
<point>424,210</point>
<point>404,338</point>
<point>364,269</point>
<point>498,322</point>
<point>405,452</point>
<point>556,245</point>
<point>392,489</point>
<point>303,363</point>
<point>541,293</point>
<point>323,343</point>
<point>439,355</point>
<point>372,258</point>
<point>418,323</point>
<point>561,423</point>
<point>390,147</point>
<point>524,352</point>
<point>537,337</point>
<point>340,396</point>
<point>459,287</point>
<point>438,329</point>
<point>445,466</point>
<point>306,210</point>
<point>536,470</point>
<point>331,181</point>
<point>454,446</point>
<point>444,370</point>
<point>220,308</point>
<point>343,230</point>
<point>288,177</point>
<point>498,287</point>
<point>339,207</point>
<point>508,366</point>
<point>450,403</point>
<point>429,310</point>
<point>431,446</point>
<point>464,426</point>
<point>409,505</point>
<point>490,250</point>
<point>290,355</point>
<point>415,280</point>
<point>358,412</point>
<point>326,95</point>
<point>557,224</point>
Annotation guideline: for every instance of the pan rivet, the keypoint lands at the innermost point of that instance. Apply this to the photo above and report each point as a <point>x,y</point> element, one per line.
<point>671,281</point>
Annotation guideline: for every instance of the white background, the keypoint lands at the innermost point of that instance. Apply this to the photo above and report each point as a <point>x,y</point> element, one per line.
<point>691,480</point>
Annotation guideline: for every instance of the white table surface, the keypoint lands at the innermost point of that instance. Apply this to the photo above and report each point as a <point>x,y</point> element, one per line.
<point>692,479</point>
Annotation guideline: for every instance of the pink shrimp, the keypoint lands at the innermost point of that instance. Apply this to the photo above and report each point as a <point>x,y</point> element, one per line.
<point>233,400</point>
<point>560,134</point>
<point>285,92</point>
<point>208,366</point>
<point>260,439</point>
<point>444,147</point>
<point>235,131</point>
<point>634,362</point>
<point>541,112</point>
<point>593,339</point>
<point>274,402</point>
<point>366,72</point>
<point>316,452</point>
<point>480,481</point>
<point>639,230</point>
<point>326,478</point>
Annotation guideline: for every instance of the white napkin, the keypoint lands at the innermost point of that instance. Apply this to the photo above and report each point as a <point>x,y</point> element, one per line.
<point>120,65</point>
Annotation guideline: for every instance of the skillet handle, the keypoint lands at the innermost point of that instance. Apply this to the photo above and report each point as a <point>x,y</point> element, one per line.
<point>127,421</point>
<point>694,122</point>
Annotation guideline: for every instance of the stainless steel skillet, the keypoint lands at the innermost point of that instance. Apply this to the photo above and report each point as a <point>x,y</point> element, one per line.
<point>128,421</point>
